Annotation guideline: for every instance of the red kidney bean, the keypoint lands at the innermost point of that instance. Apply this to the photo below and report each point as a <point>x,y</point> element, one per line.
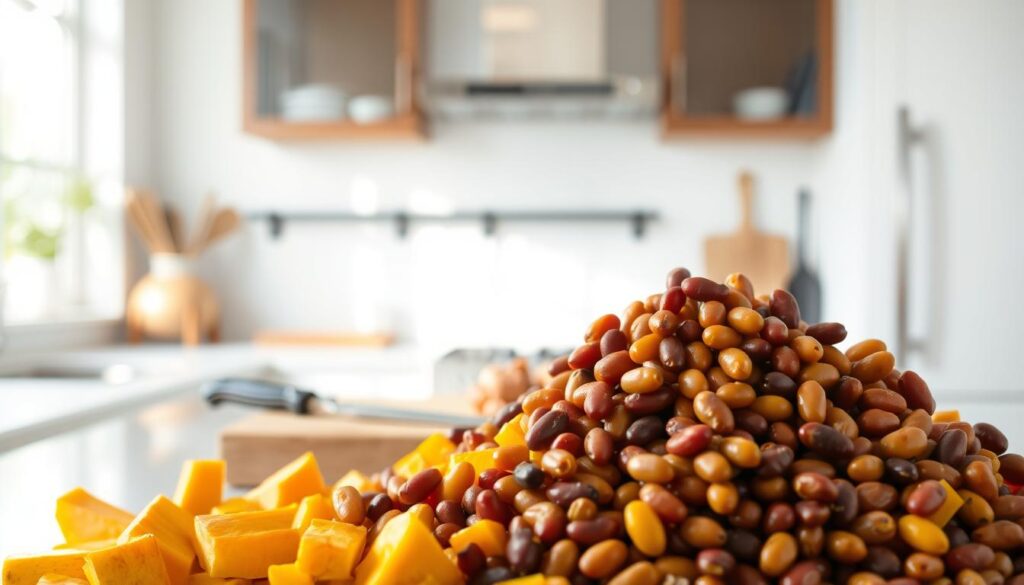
<point>651,402</point>
<point>490,507</point>
<point>611,367</point>
<point>952,447</point>
<point>991,438</point>
<point>570,442</point>
<point>775,331</point>
<point>592,531</point>
<point>545,429</point>
<point>784,306</point>
<point>704,289</point>
<point>644,430</point>
<point>779,384</point>
<point>827,333</point>
<point>676,276</point>
<point>882,399</point>
<point>418,487</point>
<point>564,492</point>
<point>715,562</point>
<point>916,391</point>
<point>612,341</point>
<point>926,498</point>
<point>1011,467</point>
<point>471,560</point>
<point>812,513</point>
<point>690,441</point>
<point>585,356</point>
<point>672,353</point>
<point>825,440</point>
<point>815,486</point>
<point>524,555</point>
<point>900,471</point>
<point>775,460</point>
<point>845,507</point>
<point>802,573</point>
<point>597,402</point>
<point>970,556</point>
<point>758,349</point>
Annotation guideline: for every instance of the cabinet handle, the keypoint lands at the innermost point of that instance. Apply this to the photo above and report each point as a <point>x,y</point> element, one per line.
<point>908,138</point>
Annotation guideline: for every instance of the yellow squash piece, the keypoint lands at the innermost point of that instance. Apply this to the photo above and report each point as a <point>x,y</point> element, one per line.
<point>87,546</point>
<point>487,534</point>
<point>200,486</point>
<point>290,484</point>
<point>946,416</point>
<point>29,569</point>
<point>235,505</point>
<point>175,535</point>
<point>84,518</point>
<point>948,508</point>
<point>330,550</point>
<point>358,480</point>
<point>204,579</point>
<point>288,575</point>
<point>433,451</point>
<point>315,506</point>
<point>481,460</point>
<point>511,433</point>
<point>132,563</point>
<point>535,579</point>
<point>55,579</point>
<point>245,544</point>
<point>406,553</point>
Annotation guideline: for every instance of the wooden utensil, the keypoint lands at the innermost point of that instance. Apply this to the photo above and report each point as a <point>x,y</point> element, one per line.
<point>224,222</point>
<point>762,257</point>
<point>203,225</point>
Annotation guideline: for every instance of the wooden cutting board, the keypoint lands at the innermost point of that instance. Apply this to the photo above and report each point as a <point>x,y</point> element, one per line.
<point>261,443</point>
<point>762,257</point>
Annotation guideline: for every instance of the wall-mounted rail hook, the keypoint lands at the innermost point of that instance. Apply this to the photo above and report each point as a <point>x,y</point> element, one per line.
<point>276,224</point>
<point>402,225</point>
<point>490,222</point>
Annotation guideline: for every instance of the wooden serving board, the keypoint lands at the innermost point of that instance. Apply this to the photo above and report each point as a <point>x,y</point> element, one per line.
<point>258,445</point>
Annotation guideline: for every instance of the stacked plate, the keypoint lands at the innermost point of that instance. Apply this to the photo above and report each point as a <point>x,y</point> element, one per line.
<point>313,103</point>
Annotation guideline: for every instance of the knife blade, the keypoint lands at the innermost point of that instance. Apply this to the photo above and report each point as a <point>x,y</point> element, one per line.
<point>277,396</point>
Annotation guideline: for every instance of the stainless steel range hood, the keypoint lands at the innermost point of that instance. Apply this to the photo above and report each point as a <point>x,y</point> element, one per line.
<point>541,58</point>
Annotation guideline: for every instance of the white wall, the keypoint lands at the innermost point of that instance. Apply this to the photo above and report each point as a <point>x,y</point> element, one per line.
<point>528,286</point>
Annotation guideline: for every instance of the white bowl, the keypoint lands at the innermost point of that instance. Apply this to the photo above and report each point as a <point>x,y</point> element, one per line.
<point>760,103</point>
<point>365,109</point>
<point>318,101</point>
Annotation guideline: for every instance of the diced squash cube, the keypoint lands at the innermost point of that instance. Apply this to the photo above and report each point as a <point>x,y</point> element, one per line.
<point>433,451</point>
<point>204,579</point>
<point>235,505</point>
<point>315,506</point>
<point>134,562</point>
<point>511,433</point>
<point>487,534</point>
<point>245,544</point>
<point>87,546</point>
<point>330,550</point>
<point>290,484</point>
<point>28,570</point>
<point>288,575</point>
<point>481,460</point>
<point>175,535</point>
<point>356,479</point>
<point>406,553</point>
<point>946,416</point>
<point>535,579</point>
<point>55,579</point>
<point>948,508</point>
<point>85,518</point>
<point>200,486</point>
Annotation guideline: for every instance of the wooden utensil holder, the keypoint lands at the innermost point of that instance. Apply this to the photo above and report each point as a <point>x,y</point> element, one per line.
<point>171,302</point>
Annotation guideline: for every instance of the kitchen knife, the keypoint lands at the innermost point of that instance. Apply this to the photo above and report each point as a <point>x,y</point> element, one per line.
<point>275,396</point>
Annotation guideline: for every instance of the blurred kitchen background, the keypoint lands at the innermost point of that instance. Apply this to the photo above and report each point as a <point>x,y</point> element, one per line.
<point>345,192</point>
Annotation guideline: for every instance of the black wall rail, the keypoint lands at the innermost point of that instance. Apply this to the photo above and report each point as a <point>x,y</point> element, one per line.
<point>637,220</point>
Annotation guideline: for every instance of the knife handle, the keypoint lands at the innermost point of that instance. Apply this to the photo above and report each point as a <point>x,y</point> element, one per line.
<point>257,393</point>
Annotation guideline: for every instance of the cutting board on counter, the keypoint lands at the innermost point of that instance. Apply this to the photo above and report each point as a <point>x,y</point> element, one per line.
<point>261,443</point>
<point>762,257</point>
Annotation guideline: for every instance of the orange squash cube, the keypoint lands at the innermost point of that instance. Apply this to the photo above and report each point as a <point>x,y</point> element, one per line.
<point>511,433</point>
<point>136,561</point>
<point>200,486</point>
<point>234,505</point>
<point>84,518</point>
<point>288,575</point>
<point>174,532</point>
<point>290,484</point>
<point>535,579</point>
<point>358,480</point>
<point>204,579</point>
<point>487,534</point>
<point>406,553</point>
<point>330,550</point>
<point>311,507</point>
<point>27,570</point>
<point>481,460</point>
<point>245,544</point>
<point>55,579</point>
<point>433,451</point>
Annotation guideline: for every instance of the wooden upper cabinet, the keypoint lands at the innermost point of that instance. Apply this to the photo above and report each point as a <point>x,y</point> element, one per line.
<point>331,69</point>
<point>714,50</point>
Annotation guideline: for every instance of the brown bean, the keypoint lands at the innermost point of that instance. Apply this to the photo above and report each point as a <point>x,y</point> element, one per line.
<point>784,306</point>
<point>639,573</point>
<point>926,498</point>
<point>970,556</point>
<point>815,486</point>
<point>613,366</point>
<point>418,487</point>
<point>872,495</point>
<point>863,349</point>
<point>689,441</point>
<point>875,527</point>
<point>778,554</point>
<point>875,422</point>
<point>348,504</point>
<point>603,559</point>
<point>1011,467</point>
<point>827,333</point>
<point>704,289</point>
<point>702,532</point>
<point>711,411</point>
<point>547,427</point>
<point>991,438</point>
<point>1000,535</point>
<point>825,440</point>
<point>979,477</point>
<point>906,443</point>
<point>874,367</point>
<point>667,506</point>
<point>611,342</point>
<point>882,399</point>
<point>1009,507</point>
<point>736,363</point>
<point>811,402</point>
<point>915,390</point>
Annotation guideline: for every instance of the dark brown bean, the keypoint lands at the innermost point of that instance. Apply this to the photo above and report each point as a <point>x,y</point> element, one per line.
<point>872,495</point>
<point>564,492</point>
<point>716,562</point>
<point>952,447</point>
<point>1007,507</point>
<point>490,507</point>
<point>970,556</point>
<point>775,460</point>
<point>471,560</point>
<point>644,430</point>
<point>673,299</point>
<point>875,422</point>
<point>651,402</point>
<point>704,289</point>
<point>524,555</point>
<point>846,506</point>
<point>900,471</point>
<point>827,333</point>
<point>815,486</point>
<point>545,429</point>
<point>916,391</point>
<point>676,276</point>
<point>784,306</point>
<point>825,440</point>
<point>926,498</point>
<point>1011,467</point>
<point>378,506</point>
<point>802,573</point>
<point>418,487</point>
<point>690,441</point>
<point>991,438</point>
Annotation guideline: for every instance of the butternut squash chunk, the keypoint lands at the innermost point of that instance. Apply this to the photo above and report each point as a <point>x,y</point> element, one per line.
<point>174,532</point>
<point>487,534</point>
<point>204,579</point>
<point>55,579</point>
<point>84,518</point>
<point>406,553</point>
<point>290,484</point>
<point>311,507</point>
<point>288,575</point>
<point>358,480</point>
<point>200,486</point>
<point>330,550</point>
<point>28,570</point>
<point>132,563</point>
<point>246,544</point>
<point>234,505</point>
<point>433,451</point>
<point>511,433</point>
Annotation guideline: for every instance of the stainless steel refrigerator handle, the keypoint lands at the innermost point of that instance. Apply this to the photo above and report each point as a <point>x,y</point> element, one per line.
<point>908,137</point>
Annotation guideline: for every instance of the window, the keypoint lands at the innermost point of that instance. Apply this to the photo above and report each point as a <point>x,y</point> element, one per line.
<point>61,160</point>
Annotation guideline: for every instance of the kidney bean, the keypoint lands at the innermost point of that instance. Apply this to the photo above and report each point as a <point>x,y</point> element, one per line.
<point>825,440</point>
<point>563,492</point>
<point>644,430</point>
<point>827,333</point>
<point>882,399</point>
<point>673,299</point>
<point>979,477</point>
<point>926,498</point>
<point>906,443</point>
<point>690,441</point>
<point>970,556</point>
<point>873,367</point>
<point>775,460</point>
<point>715,562</point>
<point>545,429</point>
<point>613,366</point>
<point>872,495</point>
<point>875,422</point>
<point>815,486</point>
<point>648,467</point>
<point>915,390</point>
<point>471,560</point>
<point>784,306</point>
<point>651,402</point>
<point>490,507</point>
<point>991,438</point>
<point>1008,507</point>
<point>999,535</point>
<point>585,356</point>
<point>603,559</point>
<point>1011,467</point>
<point>702,532</point>
<point>676,276</point>
<point>711,411</point>
<point>378,506</point>
<point>779,551</point>
<point>900,471</point>
<point>704,289</point>
<point>524,555</point>
<point>666,505</point>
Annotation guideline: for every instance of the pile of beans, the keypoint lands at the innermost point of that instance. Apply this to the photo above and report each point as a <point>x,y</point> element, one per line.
<point>710,436</point>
